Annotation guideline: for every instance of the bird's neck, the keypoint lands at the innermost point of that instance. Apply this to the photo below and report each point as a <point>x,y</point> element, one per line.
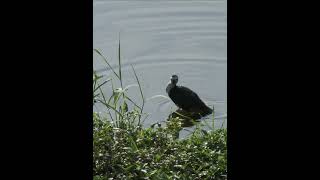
<point>170,86</point>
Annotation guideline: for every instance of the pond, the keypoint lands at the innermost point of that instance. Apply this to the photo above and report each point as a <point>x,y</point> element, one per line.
<point>161,38</point>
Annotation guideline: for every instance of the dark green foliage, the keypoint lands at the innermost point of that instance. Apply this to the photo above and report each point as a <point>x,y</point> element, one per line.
<point>155,153</point>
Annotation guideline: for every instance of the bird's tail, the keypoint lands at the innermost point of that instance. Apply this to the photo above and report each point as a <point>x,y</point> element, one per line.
<point>207,110</point>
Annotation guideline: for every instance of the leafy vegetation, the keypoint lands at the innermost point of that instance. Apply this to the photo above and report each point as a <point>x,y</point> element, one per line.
<point>122,149</point>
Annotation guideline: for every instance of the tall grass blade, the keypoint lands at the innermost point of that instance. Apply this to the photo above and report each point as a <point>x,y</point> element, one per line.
<point>132,102</point>
<point>102,84</point>
<point>103,97</point>
<point>119,61</point>
<point>131,85</point>
<point>156,96</point>
<point>113,108</point>
<point>213,118</point>
<point>222,124</point>
<point>143,100</point>
<point>105,60</point>
<point>207,125</point>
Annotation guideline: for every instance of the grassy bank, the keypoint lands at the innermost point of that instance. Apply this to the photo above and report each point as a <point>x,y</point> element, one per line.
<point>122,149</point>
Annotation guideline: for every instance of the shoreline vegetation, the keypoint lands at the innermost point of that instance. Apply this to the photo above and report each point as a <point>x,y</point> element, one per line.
<point>122,149</point>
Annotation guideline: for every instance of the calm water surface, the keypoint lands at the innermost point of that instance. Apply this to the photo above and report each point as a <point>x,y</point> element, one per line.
<point>161,38</point>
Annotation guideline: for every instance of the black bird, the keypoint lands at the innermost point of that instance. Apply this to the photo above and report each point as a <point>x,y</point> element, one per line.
<point>186,99</point>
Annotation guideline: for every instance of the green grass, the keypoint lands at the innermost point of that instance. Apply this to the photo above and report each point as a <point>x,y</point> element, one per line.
<point>122,149</point>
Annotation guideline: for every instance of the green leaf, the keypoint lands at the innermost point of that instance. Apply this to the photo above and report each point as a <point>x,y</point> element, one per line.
<point>124,107</point>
